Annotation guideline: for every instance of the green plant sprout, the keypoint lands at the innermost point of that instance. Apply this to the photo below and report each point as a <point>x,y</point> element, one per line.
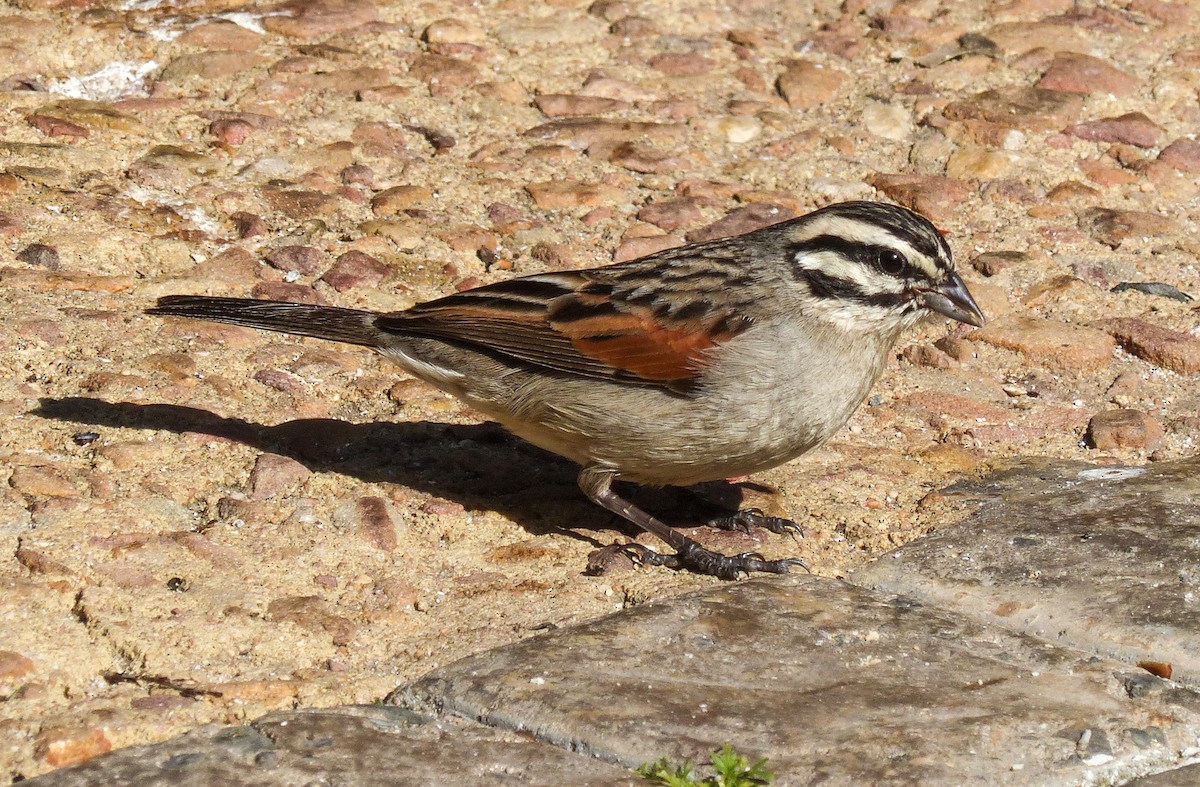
<point>732,770</point>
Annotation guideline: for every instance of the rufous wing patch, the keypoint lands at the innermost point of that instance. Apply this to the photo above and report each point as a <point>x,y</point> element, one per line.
<point>630,340</point>
<point>636,345</point>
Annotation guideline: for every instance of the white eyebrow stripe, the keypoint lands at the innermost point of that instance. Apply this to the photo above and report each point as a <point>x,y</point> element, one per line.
<point>869,233</point>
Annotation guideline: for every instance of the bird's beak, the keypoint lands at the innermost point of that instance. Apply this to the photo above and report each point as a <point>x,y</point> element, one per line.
<point>953,299</point>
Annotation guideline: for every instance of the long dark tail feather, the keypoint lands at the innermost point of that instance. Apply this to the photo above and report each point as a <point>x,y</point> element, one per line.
<point>322,322</point>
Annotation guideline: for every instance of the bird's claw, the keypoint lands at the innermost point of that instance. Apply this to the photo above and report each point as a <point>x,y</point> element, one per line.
<point>747,519</point>
<point>704,561</point>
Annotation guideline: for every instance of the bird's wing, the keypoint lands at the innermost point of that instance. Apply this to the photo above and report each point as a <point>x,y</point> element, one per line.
<point>598,324</point>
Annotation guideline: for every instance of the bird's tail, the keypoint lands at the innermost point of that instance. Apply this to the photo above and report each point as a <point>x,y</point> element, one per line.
<point>322,322</point>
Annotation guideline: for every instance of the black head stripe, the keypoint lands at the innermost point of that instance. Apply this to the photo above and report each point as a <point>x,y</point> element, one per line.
<point>902,223</point>
<point>825,286</point>
<point>868,254</point>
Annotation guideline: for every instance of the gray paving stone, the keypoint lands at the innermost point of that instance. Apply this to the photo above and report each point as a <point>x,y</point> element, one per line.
<point>361,745</point>
<point>833,683</point>
<point>1106,559</point>
<point>1187,776</point>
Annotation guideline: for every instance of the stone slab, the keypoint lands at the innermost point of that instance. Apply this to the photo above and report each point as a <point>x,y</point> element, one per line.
<point>361,745</point>
<point>835,684</point>
<point>1106,559</point>
<point>1187,776</point>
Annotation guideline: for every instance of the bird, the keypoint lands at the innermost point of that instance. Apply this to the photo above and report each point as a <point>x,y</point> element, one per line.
<point>703,362</point>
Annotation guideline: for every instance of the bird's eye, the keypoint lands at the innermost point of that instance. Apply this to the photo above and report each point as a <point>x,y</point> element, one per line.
<point>891,262</point>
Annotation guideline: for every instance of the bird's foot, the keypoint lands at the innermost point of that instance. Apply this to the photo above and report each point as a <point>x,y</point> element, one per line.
<point>747,519</point>
<point>693,557</point>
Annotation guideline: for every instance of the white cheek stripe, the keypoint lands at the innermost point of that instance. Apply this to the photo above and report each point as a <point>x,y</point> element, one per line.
<point>836,266</point>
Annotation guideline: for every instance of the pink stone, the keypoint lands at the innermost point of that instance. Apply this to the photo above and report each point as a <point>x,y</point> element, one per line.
<point>1132,128</point>
<point>1071,72</point>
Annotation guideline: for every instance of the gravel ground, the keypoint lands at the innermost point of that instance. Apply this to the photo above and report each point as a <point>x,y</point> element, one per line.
<point>202,523</point>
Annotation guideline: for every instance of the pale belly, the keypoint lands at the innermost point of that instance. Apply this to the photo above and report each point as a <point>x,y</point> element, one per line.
<point>749,414</point>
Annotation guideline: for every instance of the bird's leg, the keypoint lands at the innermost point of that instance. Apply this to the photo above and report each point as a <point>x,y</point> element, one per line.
<point>596,483</point>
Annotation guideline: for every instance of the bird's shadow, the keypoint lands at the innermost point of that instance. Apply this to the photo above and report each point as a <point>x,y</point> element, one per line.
<point>480,466</point>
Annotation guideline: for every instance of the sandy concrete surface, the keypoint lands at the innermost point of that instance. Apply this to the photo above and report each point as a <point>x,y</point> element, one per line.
<point>202,523</point>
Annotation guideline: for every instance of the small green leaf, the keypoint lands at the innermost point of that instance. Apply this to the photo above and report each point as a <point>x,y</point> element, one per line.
<point>732,770</point>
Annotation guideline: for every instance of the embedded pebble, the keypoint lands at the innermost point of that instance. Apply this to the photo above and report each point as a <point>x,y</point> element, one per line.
<point>312,18</point>
<point>439,140</point>
<point>383,140</point>
<point>453,31</point>
<point>1156,288</point>
<point>559,105</point>
<point>50,281</point>
<point>398,198</point>
<point>682,64</point>
<point>274,474</point>
<point>594,133</point>
<point>1049,343</point>
<point>672,214</point>
<point>561,29</point>
<point>1070,190</point>
<point>938,405</point>
<point>937,197</point>
<point>217,34</point>
<point>232,131</point>
<point>1090,273</point>
<point>1071,72</point>
<point>1014,107</point>
<point>287,291</point>
<point>979,163</point>
<point>572,193</point>
<point>633,27</point>
<point>1049,34</point>
<point>888,121</point>
<point>56,127</point>
<point>358,175</point>
<point>371,519</point>
<point>468,237</point>
<point>644,158</point>
<point>41,256</point>
<point>635,248</point>
<point>601,86</point>
<point>355,269</point>
<point>128,454</point>
<point>1124,429</point>
<point>740,129</point>
<point>208,65</point>
<point>47,331</point>
<point>991,263</point>
<point>929,356</point>
<point>742,220</point>
<point>14,665</point>
<point>297,259</point>
<point>1174,350</point>
<point>36,562</point>
<point>1183,154</point>
<point>281,380</point>
<point>1132,128</point>
<point>444,75</point>
<point>804,84</point>
<point>312,613</point>
<point>300,203</point>
<point>1104,173</point>
<point>41,482</point>
<point>1113,227</point>
<point>60,746</point>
